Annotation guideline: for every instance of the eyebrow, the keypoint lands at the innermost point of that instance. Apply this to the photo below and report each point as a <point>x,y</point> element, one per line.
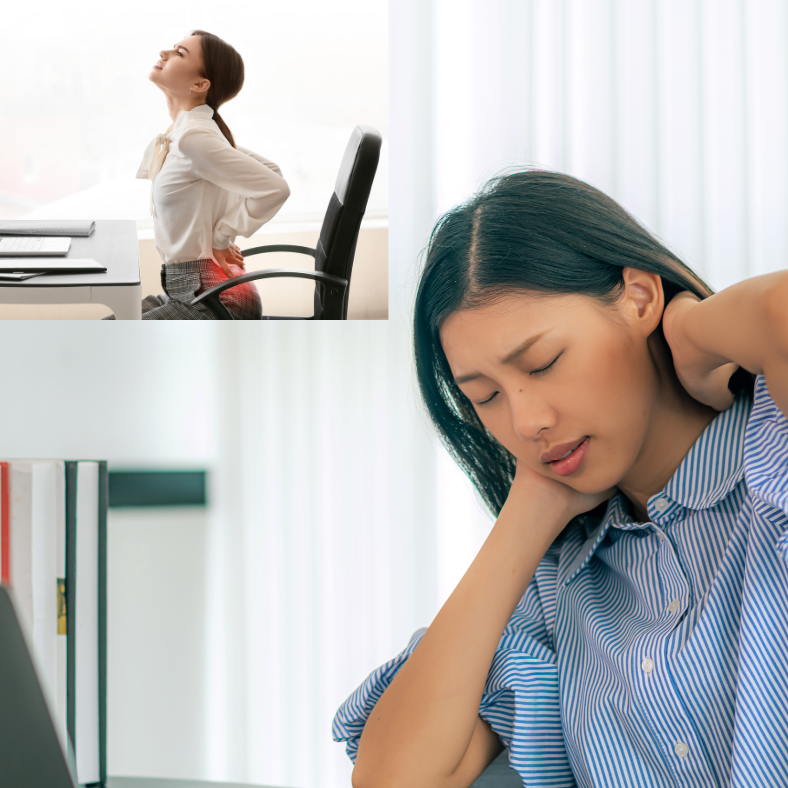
<point>179,46</point>
<point>523,347</point>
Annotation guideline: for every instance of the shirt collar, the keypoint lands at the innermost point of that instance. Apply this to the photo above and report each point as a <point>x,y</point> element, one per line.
<point>705,477</point>
<point>203,111</point>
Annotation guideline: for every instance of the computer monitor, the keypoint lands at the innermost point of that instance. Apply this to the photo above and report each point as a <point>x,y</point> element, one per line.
<point>31,755</point>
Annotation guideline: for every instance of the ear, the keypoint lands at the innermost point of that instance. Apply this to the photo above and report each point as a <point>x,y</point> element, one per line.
<point>644,299</point>
<point>200,86</point>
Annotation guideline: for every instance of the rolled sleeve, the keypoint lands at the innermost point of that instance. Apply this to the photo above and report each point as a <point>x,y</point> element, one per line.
<point>352,715</point>
<point>520,699</point>
<point>766,456</point>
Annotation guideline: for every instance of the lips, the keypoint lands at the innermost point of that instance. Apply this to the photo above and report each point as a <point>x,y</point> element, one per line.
<point>572,462</point>
<point>557,452</point>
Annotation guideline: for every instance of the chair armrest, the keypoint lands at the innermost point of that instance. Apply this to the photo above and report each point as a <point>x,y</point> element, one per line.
<point>318,276</point>
<point>279,248</point>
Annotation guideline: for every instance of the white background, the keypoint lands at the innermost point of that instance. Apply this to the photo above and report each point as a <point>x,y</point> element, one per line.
<point>77,109</point>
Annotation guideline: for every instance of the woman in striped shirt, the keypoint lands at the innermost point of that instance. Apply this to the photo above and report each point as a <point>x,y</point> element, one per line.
<point>626,620</point>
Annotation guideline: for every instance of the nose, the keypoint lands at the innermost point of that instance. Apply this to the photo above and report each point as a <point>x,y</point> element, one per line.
<point>530,415</point>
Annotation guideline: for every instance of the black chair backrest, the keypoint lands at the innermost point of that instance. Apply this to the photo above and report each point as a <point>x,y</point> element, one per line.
<point>336,246</point>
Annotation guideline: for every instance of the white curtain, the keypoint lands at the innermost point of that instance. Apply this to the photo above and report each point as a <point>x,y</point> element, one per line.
<point>321,545</point>
<point>676,108</point>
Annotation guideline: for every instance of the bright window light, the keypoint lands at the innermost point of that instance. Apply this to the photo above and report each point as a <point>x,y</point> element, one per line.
<point>77,109</point>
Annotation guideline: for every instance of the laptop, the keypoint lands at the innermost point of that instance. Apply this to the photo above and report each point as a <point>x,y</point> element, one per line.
<point>31,755</point>
<point>26,246</point>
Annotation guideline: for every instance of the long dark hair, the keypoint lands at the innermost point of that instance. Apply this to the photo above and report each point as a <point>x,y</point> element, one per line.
<point>529,230</point>
<point>224,67</point>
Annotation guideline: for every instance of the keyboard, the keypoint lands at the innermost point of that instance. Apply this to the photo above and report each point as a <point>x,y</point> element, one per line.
<point>27,246</point>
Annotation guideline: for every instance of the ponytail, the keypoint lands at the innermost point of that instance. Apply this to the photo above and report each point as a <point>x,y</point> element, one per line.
<point>224,128</point>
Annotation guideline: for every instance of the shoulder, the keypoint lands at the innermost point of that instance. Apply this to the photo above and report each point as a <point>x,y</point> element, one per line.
<point>766,448</point>
<point>198,132</point>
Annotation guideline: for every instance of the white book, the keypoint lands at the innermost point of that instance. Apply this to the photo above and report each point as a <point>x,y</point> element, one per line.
<point>37,515</point>
<point>43,549</point>
<point>20,479</point>
<point>86,733</point>
<point>60,569</point>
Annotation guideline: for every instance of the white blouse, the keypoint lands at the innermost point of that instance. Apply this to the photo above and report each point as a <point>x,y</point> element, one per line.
<point>204,192</point>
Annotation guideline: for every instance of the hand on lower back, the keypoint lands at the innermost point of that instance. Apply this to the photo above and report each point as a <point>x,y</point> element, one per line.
<point>230,255</point>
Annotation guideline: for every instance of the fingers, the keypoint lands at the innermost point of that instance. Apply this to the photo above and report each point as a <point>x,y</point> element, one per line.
<point>219,257</point>
<point>226,268</point>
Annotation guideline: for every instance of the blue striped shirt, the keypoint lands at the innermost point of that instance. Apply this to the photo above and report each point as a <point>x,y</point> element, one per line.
<point>652,653</point>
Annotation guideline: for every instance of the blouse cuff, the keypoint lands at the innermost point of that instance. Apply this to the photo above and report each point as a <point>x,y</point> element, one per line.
<point>352,715</point>
<point>766,456</point>
<point>520,701</point>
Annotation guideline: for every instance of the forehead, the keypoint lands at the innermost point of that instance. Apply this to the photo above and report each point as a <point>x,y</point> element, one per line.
<point>493,330</point>
<point>192,43</point>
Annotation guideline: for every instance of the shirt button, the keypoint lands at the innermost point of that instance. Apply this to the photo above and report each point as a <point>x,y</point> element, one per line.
<point>661,536</point>
<point>661,504</point>
<point>647,665</point>
<point>674,606</point>
<point>681,749</point>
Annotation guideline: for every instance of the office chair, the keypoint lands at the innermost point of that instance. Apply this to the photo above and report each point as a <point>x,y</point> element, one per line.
<point>336,246</point>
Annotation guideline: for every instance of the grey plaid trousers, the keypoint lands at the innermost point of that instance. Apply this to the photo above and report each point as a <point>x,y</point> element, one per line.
<point>182,282</point>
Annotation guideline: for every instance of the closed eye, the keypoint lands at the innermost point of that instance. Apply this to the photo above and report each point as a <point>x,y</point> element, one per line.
<point>544,369</point>
<point>489,399</point>
<point>533,372</point>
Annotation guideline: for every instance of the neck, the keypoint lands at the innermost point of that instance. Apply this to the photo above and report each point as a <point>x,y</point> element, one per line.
<point>178,104</point>
<point>676,421</point>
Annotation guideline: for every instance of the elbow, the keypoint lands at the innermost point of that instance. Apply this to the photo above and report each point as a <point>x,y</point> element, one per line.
<point>365,775</point>
<point>359,779</point>
<point>369,776</point>
<point>774,298</point>
<point>284,192</point>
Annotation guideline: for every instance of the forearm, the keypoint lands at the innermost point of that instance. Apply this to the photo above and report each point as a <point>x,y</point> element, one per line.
<point>747,324</point>
<point>420,729</point>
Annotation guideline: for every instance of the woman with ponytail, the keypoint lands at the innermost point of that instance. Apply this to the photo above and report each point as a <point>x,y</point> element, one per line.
<point>205,189</point>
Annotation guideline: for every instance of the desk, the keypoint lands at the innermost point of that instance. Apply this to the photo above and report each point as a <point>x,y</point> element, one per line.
<point>497,775</point>
<point>154,782</point>
<point>114,244</point>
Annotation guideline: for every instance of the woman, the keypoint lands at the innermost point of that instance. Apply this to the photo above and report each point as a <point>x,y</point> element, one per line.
<point>626,620</point>
<point>205,189</point>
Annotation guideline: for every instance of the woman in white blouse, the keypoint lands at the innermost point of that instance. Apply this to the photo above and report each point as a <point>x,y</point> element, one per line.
<point>205,190</point>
